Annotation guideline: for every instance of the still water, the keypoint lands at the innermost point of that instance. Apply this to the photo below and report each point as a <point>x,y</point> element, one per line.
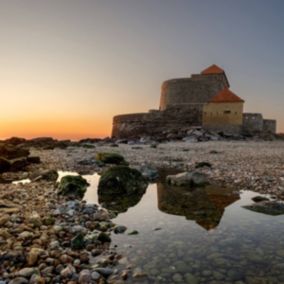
<point>200,236</point>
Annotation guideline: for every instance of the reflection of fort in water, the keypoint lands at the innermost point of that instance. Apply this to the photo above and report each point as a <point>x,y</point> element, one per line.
<point>204,205</point>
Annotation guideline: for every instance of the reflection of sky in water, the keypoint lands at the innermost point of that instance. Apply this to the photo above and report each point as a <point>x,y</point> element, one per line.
<point>245,245</point>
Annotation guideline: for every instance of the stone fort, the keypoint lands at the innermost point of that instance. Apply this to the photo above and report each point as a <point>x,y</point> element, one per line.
<point>202,100</point>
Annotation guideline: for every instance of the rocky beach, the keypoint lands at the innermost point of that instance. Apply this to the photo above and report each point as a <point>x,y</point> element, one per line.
<point>251,165</point>
<point>48,237</point>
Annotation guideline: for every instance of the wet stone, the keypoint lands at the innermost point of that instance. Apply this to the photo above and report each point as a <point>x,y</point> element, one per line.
<point>78,242</point>
<point>106,272</point>
<point>120,229</point>
<point>27,272</point>
<point>85,276</point>
<point>19,280</point>
<point>177,278</point>
<point>95,276</point>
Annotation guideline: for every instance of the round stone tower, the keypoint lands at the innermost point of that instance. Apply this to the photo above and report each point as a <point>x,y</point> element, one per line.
<point>194,91</point>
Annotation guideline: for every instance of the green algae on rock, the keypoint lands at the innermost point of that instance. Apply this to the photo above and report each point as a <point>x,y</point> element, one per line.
<point>72,186</point>
<point>111,158</point>
<point>121,187</point>
<point>121,180</point>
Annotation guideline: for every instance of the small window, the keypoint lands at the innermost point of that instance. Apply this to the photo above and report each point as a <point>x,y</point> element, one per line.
<point>227,111</point>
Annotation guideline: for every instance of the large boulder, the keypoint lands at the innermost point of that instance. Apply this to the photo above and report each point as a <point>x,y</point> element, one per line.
<point>18,164</point>
<point>111,158</point>
<point>191,179</point>
<point>121,180</point>
<point>4,165</point>
<point>121,187</point>
<point>9,151</point>
<point>74,186</point>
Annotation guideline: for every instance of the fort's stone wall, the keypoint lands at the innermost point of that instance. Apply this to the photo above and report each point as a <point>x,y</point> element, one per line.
<point>269,126</point>
<point>156,122</point>
<point>195,90</point>
<point>253,123</point>
<point>223,117</point>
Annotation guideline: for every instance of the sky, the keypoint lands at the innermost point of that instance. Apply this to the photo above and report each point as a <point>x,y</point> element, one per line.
<point>68,66</point>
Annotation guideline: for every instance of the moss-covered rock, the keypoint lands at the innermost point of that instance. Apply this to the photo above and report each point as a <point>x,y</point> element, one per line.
<point>78,242</point>
<point>111,158</point>
<point>121,187</point>
<point>104,238</point>
<point>72,186</point>
<point>121,180</point>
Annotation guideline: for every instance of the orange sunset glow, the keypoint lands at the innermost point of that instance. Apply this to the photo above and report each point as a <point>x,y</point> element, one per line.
<point>66,70</point>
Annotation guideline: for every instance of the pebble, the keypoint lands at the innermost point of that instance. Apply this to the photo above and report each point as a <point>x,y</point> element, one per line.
<point>85,276</point>
<point>120,229</point>
<point>27,272</point>
<point>19,280</point>
<point>68,272</point>
<point>95,275</point>
<point>104,271</point>
<point>33,256</point>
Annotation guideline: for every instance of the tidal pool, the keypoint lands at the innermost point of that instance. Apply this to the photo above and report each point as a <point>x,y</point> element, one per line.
<point>200,236</point>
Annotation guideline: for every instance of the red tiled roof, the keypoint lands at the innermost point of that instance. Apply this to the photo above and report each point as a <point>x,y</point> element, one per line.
<point>226,96</point>
<point>213,69</point>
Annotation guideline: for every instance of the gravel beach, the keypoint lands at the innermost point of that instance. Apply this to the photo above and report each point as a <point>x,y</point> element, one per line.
<point>257,166</point>
<point>40,234</point>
